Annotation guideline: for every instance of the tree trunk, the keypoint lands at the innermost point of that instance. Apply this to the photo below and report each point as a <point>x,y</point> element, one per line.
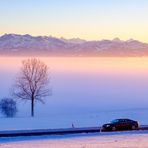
<point>32,107</point>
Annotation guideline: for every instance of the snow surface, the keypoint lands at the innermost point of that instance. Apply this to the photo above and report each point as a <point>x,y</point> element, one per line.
<point>92,119</point>
<point>133,139</point>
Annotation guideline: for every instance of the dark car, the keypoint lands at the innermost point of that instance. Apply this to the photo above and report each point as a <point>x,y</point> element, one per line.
<point>120,124</point>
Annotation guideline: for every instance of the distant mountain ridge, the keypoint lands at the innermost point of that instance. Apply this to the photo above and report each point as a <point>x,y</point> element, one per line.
<point>15,44</point>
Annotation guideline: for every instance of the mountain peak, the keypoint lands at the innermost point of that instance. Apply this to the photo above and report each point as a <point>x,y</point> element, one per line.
<point>116,40</point>
<point>130,40</point>
<point>48,45</point>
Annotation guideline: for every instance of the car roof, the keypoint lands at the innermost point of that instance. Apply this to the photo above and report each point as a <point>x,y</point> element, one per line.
<point>125,119</point>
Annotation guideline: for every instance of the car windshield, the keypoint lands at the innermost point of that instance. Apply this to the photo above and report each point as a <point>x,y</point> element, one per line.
<point>115,121</point>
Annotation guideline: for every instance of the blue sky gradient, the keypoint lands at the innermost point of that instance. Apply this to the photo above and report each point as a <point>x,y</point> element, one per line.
<point>88,19</point>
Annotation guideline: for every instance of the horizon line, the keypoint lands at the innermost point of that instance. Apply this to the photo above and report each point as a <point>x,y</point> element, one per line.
<point>62,37</point>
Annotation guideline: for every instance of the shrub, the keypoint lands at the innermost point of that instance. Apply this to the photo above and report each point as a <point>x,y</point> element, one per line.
<point>8,107</point>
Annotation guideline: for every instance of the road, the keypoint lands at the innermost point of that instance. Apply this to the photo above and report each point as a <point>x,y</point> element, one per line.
<point>38,132</point>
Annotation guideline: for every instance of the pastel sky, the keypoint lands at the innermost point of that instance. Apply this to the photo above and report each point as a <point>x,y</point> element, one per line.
<point>87,19</point>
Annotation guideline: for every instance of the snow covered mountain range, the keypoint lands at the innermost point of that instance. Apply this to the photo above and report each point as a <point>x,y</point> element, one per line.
<point>14,44</point>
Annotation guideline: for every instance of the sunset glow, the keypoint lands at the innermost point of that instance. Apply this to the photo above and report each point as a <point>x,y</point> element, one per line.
<point>82,65</point>
<point>74,73</point>
<point>86,19</point>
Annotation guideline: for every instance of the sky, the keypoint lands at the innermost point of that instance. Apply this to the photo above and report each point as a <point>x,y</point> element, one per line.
<point>87,19</point>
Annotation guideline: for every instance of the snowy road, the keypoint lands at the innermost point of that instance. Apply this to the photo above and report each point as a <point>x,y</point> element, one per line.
<point>132,139</point>
<point>61,131</point>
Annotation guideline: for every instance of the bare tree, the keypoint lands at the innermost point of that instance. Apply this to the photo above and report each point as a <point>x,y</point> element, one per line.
<point>32,83</point>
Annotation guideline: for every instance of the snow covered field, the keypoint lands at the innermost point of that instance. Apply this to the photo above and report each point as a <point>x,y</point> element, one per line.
<point>92,119</point>
<point>134,139</point>
<point>86,92</point>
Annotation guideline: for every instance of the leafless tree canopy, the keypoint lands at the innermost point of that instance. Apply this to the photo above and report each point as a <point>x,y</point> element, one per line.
<point>32,83</point>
